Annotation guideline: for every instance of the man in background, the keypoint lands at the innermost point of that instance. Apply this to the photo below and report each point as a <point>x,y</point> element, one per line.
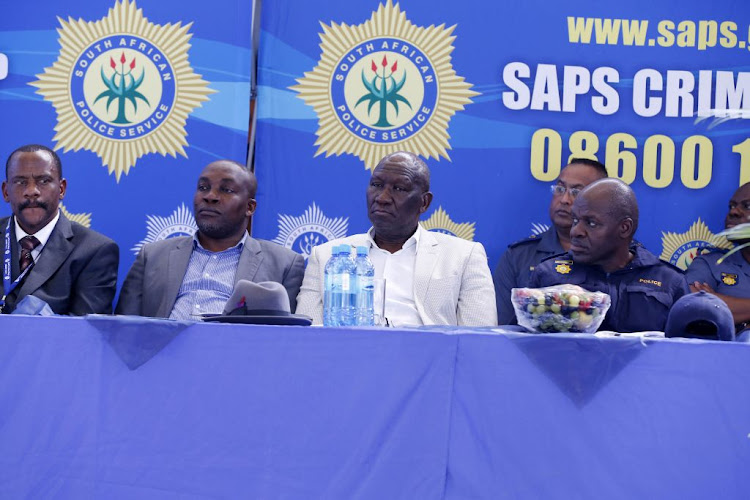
<point>730,280</point>
<point>519,260</point>
<point>70,267</point>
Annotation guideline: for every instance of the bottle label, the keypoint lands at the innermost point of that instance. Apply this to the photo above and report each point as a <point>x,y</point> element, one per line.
<point>366,282</point>
<point>344,282</point>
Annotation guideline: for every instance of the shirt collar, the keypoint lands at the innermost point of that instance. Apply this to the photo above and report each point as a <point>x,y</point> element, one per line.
<point>42,235</point>
<point>641,256</point>
<point>549,242</point>
<point>413,239</point>
<point>240,244</point>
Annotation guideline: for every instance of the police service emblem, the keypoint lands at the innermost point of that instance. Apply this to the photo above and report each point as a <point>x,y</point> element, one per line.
<point>384,85</point>
<point>440,222</point>
<point>309,230</point>
<point>729,279</point>
<point>180,223</point>
<point>562,268</point>
<point>679,249</point>
<point>122,87</point>
<point>83,219</point>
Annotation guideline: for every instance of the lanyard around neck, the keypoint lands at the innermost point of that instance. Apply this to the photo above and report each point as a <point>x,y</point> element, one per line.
<point>8,287</point>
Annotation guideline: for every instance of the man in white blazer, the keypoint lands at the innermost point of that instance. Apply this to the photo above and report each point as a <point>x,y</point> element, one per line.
<point>431,278</point>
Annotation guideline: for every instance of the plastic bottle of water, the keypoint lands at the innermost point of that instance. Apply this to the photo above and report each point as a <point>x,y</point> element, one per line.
<point>365,288</point>
<point>343,290</point>
<point>328,306</point>
<point>349,308</point>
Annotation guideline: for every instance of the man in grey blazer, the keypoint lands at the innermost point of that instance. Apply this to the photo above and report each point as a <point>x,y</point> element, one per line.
<point>431,278</point>
<point>70,267</point>
<point>183,278</point>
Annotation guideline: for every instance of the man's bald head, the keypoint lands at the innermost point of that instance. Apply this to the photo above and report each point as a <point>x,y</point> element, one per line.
<point>412,163</point>
<point>617,198</point>
<point>245,176</point>
<point>605,217</point>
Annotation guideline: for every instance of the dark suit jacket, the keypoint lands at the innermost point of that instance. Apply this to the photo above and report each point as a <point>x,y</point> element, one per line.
<point>76,273</point>
<point>152,284</point>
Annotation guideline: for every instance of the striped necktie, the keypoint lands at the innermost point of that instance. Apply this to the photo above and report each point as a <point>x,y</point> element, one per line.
<point>28,243</point>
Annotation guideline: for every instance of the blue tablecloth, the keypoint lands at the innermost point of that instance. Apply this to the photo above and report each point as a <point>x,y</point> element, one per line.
<point>264,412</point>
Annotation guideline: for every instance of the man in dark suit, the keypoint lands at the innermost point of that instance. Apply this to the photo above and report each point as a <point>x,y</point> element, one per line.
<point>70,267</point>
<point>183,278</point>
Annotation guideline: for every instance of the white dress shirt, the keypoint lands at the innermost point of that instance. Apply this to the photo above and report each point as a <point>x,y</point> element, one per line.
<point>42,235</point>
<point>398,270</point>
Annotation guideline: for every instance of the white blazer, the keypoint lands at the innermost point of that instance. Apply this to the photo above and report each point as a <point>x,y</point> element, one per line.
<point>452,281</point>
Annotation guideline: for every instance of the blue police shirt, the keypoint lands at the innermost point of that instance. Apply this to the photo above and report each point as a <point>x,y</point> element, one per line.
<point>515,268</point>
<point>642,292</point>
<point>731,277</point>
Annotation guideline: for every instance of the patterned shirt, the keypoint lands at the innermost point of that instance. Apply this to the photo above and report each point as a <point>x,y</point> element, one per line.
<point>208,281</point>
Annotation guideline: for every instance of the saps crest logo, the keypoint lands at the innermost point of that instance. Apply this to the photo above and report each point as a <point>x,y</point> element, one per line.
<point>303,233</point>
<point>440,222</point>
<point>83,219</point>
<point>680,249</point>
<point>179,223</point>
<point>729,279</point>
<point>384,85</point>
<point>122,87</point>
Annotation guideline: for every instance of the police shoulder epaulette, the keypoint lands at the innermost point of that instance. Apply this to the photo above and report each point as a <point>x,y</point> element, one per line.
<point>530,239</point>
<point>669,264</point>
<point>563,257</point>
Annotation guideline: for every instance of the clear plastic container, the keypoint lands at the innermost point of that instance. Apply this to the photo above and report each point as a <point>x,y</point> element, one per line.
<point>560,308</point>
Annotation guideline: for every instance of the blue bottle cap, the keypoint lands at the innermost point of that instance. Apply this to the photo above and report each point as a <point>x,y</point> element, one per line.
<point>344,248</point>
<point>362,250</point>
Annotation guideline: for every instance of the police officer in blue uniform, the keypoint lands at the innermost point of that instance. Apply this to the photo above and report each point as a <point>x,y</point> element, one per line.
<point>519,260</point>
<point>730,280</point>
<point>604,258</point>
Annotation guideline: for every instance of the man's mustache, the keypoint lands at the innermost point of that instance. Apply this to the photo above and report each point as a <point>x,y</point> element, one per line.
<point>33,204</point>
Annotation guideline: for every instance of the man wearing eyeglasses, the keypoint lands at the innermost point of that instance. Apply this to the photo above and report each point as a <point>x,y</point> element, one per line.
<point>518,262</point>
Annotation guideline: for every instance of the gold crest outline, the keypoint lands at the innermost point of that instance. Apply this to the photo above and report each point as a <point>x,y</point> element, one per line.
<point>441,220</point>
<point>125,19</point>
<point>83,219</point>
<point>697,232</point>
<point>453,92</point>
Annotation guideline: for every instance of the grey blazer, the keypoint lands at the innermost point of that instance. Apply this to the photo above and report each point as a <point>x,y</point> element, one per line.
<point>76,272</point>
<point>152,284</point>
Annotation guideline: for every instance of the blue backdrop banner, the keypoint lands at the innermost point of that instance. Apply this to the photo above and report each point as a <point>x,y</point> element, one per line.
<point>497,96</point>
<point>135,98</point>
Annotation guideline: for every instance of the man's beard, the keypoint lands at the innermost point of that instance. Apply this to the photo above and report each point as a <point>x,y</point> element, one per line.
<point>216,230</point>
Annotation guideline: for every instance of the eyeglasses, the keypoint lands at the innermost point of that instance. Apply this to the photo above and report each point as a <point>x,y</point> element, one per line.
<point>559,190</point>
